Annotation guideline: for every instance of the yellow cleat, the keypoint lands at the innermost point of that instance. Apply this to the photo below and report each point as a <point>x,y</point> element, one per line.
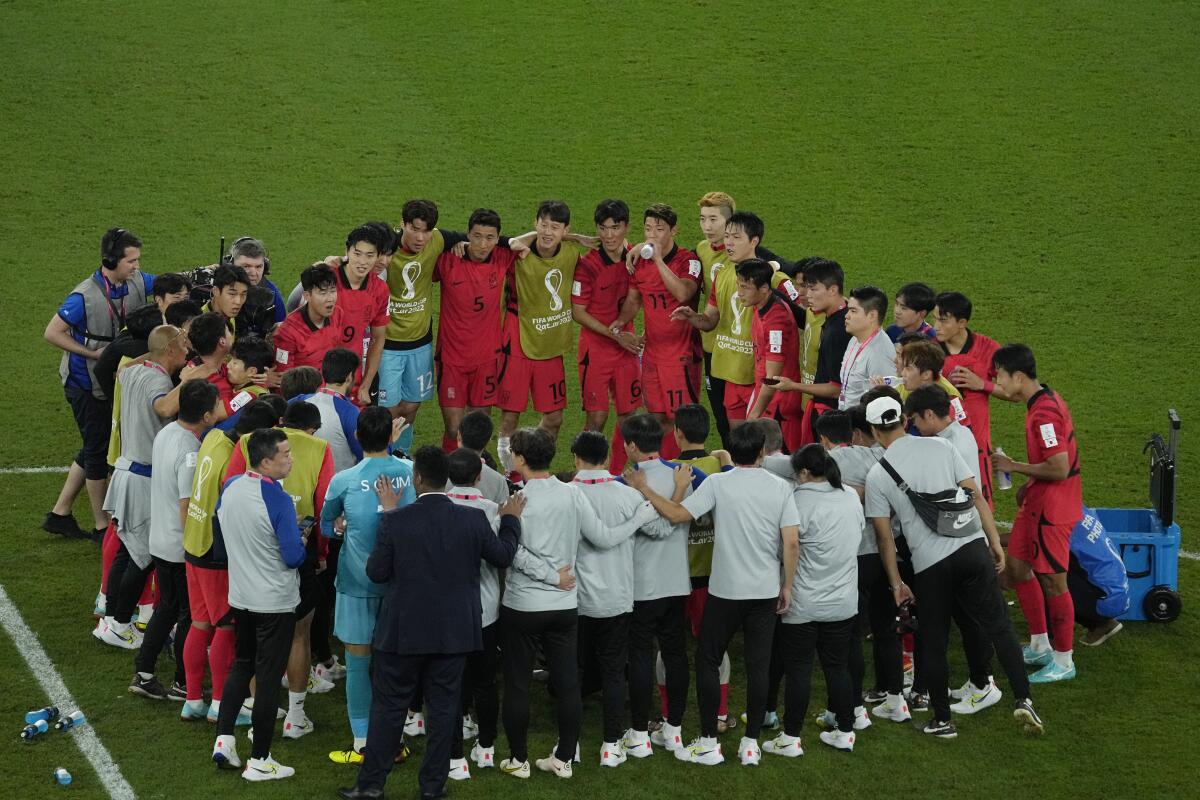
<point>346,757</point>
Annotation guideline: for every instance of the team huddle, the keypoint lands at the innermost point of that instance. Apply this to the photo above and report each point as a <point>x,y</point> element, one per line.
<point>250,466</point>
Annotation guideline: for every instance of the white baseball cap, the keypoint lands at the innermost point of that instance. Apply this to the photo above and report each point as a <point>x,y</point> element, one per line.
<point>883,411</point>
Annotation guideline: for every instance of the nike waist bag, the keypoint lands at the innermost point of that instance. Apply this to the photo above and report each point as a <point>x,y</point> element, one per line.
<point>948,513</point>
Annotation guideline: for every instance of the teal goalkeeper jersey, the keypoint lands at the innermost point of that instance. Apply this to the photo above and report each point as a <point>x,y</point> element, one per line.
<point>352,494</point>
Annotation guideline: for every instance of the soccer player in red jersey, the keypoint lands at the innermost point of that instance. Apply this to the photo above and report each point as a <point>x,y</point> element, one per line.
<point>469,326</point>
<point>607,356</point>
<point>316,327</point>
<point>776,340</point>
<point>671,358</point>
<point>1039,549</point>
<point>363,298</point>
<point>969,367</point>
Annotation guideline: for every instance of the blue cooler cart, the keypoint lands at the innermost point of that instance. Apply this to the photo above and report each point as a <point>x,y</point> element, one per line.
<point>1148,539</point>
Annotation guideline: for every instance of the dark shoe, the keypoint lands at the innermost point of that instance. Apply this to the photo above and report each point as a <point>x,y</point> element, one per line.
<point>97,535</point>
<point>941,729</point>
<point>147,687</point>
<point>403,755</point>
<point>63,525</point>
<point>355,793</point>
<point>177,692</point>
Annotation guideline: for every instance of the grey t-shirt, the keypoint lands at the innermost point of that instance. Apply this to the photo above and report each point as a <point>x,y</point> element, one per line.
<point>779,465</point>
<point>141,385</point>
<point>854,462</point>
<point>660,552</point>
<point>927,464</point>
<point>750,506</point>
<point>175,450</point>
<point>875,356</point>
<point>825,586</point>
<point>964,442</point>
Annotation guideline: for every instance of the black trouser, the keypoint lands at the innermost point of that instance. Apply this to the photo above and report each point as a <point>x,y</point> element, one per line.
<point>173,609</point>
<point>830,641</point>
<point>967,577</point>
<point>715,389</point>
<point>394,681</point>
<point>261,646</point>
<point>661,619</point>
<point>485,696</point>
<point>877,604</point>
<point>776,671</point>
<point>1085,596</point>
<point>909,577</point>
<point>606,640</point>
<point>722,618</point>
<point>521,632</point>
<point>94,419</point>
<point>126,580</point>
<point>322,623</point>
<point>976,645</point>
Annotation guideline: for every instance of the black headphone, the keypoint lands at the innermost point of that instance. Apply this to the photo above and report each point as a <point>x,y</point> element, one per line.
<point>112,253</point>
<point>228,259</point>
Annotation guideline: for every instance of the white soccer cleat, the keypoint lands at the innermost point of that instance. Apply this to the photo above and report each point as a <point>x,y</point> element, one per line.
<point>839,740</point>
<point>612,754</point>
<point>668,737</point>
<point>637,744</point>
<point>551,764</point>
<point>415,726</point>
<point>484,757</point>
<point>295,730</point>
<point>749,753</point>
<point>518,769</point>
<point>978,699</point>
<point>115,634</point>
<point>224,752</point>
<point>784,745</point>
<point>459,771</point>
<point>700,752</point>
<point>266,769</point>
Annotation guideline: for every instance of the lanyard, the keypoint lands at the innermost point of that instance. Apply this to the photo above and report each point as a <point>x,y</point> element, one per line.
<point>252,474</point>
<point>152,365</point>
<point>848,371</point>
<point>458,496</point>
<point>590,481</point>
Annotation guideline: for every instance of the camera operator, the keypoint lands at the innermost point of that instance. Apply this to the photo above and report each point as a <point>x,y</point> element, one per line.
<point>948,569</point>
<point>251,255</point>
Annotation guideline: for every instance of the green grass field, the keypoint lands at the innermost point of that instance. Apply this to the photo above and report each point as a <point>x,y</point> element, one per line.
<point>1041,158</point>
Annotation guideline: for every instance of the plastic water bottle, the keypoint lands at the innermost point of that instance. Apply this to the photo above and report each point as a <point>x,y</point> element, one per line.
<point>1003,479</point>
<point>49,713</point>
<point>62,776</point>
<point>892,380</point>
<point>73,720</point>
<point>647,251</point>
<point>34,729</point>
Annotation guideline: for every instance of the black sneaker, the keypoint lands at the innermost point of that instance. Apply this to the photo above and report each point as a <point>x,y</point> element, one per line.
<point>1023,712</point>
<point>97,535</point>
<point>147,687</point>
<point>917,702</point>
<point>942,730</point>
<point>177,692</point>
<point>63,525</point>
<point>875,696</point>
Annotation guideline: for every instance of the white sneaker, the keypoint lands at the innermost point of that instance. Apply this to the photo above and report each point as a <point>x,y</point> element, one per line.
<point>554,751</point>
<point>469,729</point>
<point>144,612</point>
<point>225,752</point>
<point>115,634</point>
<point>828,720</point>
<point>266,769</point>
<point>784,745</point>
<point>637,744</point>
<point>896,712</point>
<point>839,740</point>
<point>551,764</point>
<point>749,752</point>
<point>700,753</point>
<point>415,726</point>
<point>978,699</point>
<point>965,690</point>
<point>332,672</point>
<point>318,684</point>
<point>669,737</point>
<point>459,771</point>
<point>517,769</point>
<point>612,754</point>
<point>294,730</point>
<point>484,757</point>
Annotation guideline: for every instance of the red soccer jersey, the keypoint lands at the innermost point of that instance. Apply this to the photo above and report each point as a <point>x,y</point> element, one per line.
<point>667,340</point>
<point>601,286</point>
<point>471,312</point>
<point>976,356</point>
<point>299,344</point>
<point>776,338</point>
<point>362,309</point>
<point>1049,430</point>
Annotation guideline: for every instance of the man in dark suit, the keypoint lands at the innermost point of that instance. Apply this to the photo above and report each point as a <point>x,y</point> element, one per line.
<point>428,553</point>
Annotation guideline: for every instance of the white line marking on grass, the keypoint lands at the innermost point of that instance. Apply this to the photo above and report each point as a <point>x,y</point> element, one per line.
<point>31,470</point>
<point>43,670</point>
<point>1189,554</point>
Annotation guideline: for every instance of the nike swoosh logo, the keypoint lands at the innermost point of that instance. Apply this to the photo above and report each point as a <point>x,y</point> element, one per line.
<point>963,521</point>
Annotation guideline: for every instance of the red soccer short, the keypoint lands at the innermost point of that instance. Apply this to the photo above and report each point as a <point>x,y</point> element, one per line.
<point>602,375</point>
<point>1044,545</point>
<point>669,386</point>
<point>208,595</point>
<point>460,387</point>
<point>520,377</point>
<point>737,399</point>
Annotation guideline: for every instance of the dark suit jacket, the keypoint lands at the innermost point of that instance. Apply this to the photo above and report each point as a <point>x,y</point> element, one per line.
<point>428,553</point>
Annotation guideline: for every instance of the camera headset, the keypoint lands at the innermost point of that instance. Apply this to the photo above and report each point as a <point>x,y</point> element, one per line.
<point>112,252</point>
<point>233,253</point>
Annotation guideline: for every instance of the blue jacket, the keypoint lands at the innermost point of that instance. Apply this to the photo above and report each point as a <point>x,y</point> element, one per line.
<point>1097,556</point>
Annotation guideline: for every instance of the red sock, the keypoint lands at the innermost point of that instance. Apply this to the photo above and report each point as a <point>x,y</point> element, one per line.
<point>108,551</point>
<point>1062,621</point>
<point>662,698</point>
<point>669,449</point>
<point>723,709</point>
<point>195,659</point>
<point>449,443</point>
<point>220,659</point>
<point>616,462</point>
<point>908,642</point>
<point>150,590</point>
<point>1033,605</point>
